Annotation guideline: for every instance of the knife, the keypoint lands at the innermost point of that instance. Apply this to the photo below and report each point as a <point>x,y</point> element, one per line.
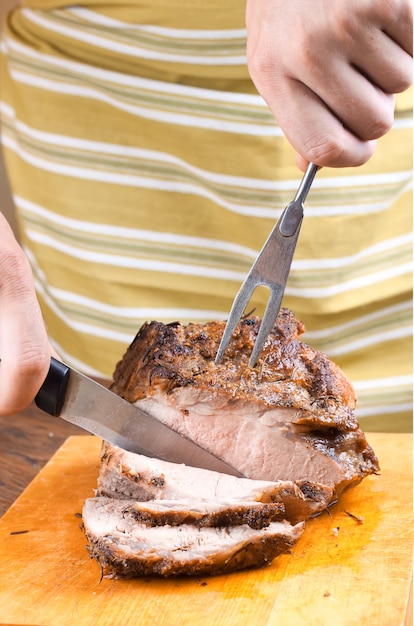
<point>80,400</point>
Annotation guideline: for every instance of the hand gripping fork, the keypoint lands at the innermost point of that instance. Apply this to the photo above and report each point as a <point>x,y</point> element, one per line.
<point>271,269</point>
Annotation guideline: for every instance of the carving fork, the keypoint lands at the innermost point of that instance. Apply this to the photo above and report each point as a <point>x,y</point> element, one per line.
<point>271,269</point>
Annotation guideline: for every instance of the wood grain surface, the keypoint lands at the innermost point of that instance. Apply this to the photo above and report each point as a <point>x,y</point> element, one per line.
<point>27,441</point>
<point>351,566</point>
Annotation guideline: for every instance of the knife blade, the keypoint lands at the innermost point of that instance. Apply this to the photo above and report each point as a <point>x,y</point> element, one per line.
<point>80,400</point>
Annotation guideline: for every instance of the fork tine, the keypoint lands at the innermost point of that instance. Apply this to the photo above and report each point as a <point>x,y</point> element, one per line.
<point>268,321</point>
<point>239,305</point>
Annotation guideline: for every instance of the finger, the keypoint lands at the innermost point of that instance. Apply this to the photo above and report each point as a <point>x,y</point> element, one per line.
<point>301,163</point>
<point>358,104</point>
<point>314,131</point>
<point>398,25</point>
<point>24,347</point>
<point>384,62</point>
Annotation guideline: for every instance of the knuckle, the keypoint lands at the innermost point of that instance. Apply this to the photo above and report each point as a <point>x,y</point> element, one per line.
<point>34,359</point>
<point>378,125</point>
<point>323,150</point>
<point>402,83</point>
<point>260,62</point>
<point>15,273</point>
<point>396,78</point>
<point>303,52</point>
<point>395,10</point>
<point>332,151</point>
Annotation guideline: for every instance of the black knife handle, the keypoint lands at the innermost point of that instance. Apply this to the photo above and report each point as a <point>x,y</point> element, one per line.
<point>51,395</point>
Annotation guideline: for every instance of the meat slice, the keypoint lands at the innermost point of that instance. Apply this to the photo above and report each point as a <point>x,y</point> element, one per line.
<point>124,475</point>
<point>290,418</point>
<point>125,547</point>
<point>203,514</point>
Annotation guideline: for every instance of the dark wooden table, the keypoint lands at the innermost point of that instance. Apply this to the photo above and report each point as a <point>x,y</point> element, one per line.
<point>27,441</point>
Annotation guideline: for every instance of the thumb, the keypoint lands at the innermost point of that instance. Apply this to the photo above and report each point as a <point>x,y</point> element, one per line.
<point>24,347</point>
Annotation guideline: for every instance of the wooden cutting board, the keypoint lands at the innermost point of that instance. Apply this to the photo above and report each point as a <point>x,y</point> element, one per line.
<point>352,566</point>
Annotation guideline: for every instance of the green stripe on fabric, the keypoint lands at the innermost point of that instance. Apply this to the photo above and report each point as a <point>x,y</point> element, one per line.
<point>151,40</point>
<point>163,101</point>
<point>156,169</point>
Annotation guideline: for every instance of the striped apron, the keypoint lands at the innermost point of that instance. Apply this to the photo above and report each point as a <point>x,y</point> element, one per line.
<point>147,173</point>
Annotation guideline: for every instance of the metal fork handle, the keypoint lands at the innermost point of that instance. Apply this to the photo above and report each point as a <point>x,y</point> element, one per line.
<point>306,182</point>
<point>290,217</point>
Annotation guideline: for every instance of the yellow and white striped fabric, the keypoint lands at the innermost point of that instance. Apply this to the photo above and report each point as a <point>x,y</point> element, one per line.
<point>147,173</point>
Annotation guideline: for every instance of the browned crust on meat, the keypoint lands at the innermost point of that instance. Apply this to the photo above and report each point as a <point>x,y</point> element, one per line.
<point>288,374</point>
<point>255,515</point>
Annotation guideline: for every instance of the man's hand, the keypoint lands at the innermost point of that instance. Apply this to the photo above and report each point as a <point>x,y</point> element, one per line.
<point>329,70</point>
<point>24,347</point>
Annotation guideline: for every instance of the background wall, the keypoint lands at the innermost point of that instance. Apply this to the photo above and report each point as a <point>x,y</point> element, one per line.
<point>6,202</point>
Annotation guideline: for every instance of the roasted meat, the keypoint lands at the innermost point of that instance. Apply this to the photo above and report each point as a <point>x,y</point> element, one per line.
<point>288,418</point>
<point>287,424</point>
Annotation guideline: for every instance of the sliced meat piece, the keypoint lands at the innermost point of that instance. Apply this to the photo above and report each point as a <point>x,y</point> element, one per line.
<point>125,548</point>
<point>289,418</point>
<point>204,514</point>
<point>137,477</point>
